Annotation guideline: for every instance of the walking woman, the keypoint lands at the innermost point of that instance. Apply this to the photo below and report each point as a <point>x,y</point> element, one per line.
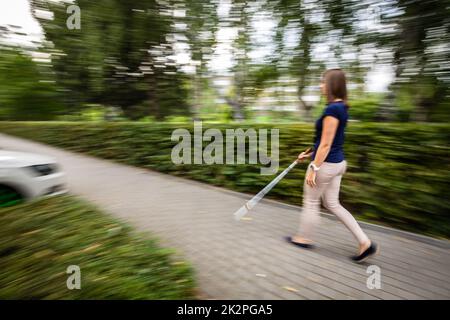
<point>324,173</point>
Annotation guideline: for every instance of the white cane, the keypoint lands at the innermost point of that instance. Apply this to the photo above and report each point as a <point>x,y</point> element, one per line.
<point>253,201</point>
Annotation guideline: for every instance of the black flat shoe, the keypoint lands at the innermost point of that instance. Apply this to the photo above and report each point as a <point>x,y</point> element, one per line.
<point>298,244</point>
<point>370,251</point>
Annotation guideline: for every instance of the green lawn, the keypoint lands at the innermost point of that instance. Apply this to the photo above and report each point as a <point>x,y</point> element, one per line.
<point>40,239</point>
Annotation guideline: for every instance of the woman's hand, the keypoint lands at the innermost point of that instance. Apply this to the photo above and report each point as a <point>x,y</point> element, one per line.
<point>311,178</point>
<point>304,155</point>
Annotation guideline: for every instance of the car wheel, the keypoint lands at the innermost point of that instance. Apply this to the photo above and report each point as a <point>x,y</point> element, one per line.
<point>9,197</point>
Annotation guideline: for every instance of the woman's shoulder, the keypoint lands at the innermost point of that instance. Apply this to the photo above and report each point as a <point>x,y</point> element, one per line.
<point>337,105</point>
<point>336,109</point>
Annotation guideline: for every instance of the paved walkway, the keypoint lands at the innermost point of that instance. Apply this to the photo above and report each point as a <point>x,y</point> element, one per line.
<point>248,259</point>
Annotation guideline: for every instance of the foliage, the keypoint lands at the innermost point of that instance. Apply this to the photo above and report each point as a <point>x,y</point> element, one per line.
<point>133,54</point>
<point>416,33</point>
<point>39,240</point>
<point>119,57</point>
<point>25,94</point>
<point>365,108</point>
<point>398,173</point>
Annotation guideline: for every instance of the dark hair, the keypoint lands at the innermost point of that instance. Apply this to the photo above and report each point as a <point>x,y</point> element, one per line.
<point>336,85</point>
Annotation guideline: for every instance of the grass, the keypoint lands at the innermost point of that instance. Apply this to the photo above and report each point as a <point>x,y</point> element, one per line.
<point>40,239</point>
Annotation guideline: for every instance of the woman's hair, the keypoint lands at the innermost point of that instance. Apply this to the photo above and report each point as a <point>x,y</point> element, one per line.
<point>336,85</point>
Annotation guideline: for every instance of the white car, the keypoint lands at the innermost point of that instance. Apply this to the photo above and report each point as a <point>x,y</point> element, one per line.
<point>26,176</point>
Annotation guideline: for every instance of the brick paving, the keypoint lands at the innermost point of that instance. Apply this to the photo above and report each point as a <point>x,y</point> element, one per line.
<point>249,259</point>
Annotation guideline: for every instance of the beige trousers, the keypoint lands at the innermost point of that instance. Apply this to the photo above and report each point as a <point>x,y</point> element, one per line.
<point>328,181</point>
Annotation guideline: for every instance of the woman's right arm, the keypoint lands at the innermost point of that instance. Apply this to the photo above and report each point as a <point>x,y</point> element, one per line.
<point>330,125</point>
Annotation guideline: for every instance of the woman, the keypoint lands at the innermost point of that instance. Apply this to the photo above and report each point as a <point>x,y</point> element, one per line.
<point>324,174</point>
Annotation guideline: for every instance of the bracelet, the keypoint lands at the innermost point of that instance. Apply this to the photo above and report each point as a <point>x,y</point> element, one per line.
<point>314,167</point>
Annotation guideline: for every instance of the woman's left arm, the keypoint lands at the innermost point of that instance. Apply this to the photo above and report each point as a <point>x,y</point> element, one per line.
<point>330,125</point>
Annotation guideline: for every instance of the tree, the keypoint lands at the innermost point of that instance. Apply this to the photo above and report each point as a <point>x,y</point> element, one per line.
<point>25,92</point>
<point>418,34</point>
<point>120,56</point>
<point>200,27</point>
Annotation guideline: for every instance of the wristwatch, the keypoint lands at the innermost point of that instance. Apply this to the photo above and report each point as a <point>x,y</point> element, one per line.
<point>314,167</point>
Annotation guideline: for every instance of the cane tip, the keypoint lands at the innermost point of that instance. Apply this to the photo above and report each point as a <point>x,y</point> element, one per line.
<point>238,215</point>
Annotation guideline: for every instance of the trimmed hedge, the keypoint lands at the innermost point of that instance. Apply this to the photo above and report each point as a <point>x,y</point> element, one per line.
<point>40,239</point>
<point>397,175</point>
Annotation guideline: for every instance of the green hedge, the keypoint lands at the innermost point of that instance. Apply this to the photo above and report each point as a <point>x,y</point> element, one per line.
<point>398,173</point>
<point>40,239</point>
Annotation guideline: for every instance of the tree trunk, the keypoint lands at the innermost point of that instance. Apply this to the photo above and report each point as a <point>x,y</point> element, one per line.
<point>237,107</point>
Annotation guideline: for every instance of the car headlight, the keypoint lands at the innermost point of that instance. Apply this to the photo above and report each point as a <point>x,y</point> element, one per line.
<point>44,169</point>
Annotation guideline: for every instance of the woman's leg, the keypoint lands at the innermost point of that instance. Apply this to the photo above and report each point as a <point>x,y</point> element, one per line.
<point>331,202</point>
<point>311,205</point>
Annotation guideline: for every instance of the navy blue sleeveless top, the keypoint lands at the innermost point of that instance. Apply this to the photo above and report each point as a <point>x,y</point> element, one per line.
<point>339,111</point>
